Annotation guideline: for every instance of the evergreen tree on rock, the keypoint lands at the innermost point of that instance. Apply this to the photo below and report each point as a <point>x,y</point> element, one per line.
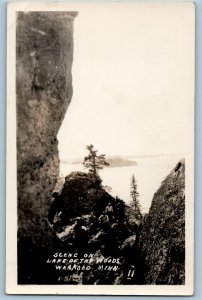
<point>135,204</point>
<point>94,162</point>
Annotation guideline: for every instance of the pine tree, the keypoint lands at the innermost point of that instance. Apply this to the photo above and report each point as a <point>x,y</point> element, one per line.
<point>94,162</point>
<point>135,198</point>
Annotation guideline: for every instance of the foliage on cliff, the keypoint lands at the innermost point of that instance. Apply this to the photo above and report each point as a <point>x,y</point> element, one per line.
<point>94,162</point>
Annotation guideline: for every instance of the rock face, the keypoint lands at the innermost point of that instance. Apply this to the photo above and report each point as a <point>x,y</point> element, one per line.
<point>44,54</point>
<point>162,238</point>
<point>83,224</point>
<point>82,195</point>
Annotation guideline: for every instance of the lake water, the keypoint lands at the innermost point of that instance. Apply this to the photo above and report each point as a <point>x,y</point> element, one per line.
<point>149,173</point>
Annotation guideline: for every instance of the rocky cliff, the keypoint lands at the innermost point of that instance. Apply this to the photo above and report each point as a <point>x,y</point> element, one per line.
<point>82,224</point>
<point>44,54</point>
<point>162,238</point>
<point>155,253</point>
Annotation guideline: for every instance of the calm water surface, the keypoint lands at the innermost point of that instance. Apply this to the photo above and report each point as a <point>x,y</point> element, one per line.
<point>149,173</point>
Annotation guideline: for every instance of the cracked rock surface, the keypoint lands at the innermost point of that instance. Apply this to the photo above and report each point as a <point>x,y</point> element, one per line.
<point>162,239</point>
<point>44,55</point>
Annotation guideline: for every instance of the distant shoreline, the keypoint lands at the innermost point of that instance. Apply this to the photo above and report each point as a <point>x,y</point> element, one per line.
<point>120,161</point>
<point>114,162</point>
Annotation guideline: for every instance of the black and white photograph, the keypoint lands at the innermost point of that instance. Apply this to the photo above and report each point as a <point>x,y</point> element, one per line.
<point>100,148</point>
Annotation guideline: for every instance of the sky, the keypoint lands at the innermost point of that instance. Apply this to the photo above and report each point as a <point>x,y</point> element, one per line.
<point>132,81</point>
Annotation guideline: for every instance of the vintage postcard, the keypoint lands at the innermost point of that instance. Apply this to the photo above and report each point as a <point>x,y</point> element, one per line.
<point>100,148</point>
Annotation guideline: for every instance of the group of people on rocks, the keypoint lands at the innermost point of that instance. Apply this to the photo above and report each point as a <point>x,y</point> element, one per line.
<point>107,215</point>
<point>110,215</point>
<point>114,213</point>
<point>104,219</point>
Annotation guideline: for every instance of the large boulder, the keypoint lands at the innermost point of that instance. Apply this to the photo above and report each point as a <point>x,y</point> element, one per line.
<point>82,194</point>
<point>162,239</point>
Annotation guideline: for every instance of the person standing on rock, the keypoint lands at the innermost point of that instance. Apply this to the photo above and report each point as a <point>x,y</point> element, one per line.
<point>110,212</point>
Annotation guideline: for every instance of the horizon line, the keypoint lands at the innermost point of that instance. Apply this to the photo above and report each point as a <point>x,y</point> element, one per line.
<point>72,159</point>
